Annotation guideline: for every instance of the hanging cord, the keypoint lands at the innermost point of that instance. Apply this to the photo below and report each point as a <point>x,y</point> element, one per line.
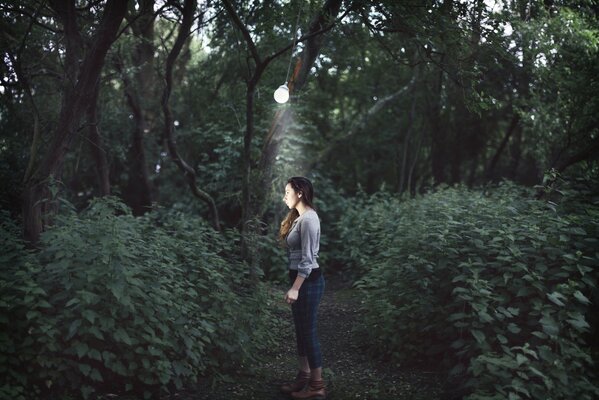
<point>293,45</point>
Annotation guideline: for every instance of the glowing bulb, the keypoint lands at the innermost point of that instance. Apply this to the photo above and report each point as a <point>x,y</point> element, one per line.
<point>282,94</point>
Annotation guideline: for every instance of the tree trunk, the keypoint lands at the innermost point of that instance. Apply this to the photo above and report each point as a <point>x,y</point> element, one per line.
<point>523,79</point>
<point>590,152</point>
<point>438,140</point>
<point>409,130</point>
<point>508,134</point>
<point>140,93</point>
<point>38,206</point>
<point>411,186</point>
<point>97,147</point>
<point>139,189</point>
<point>189,9</point>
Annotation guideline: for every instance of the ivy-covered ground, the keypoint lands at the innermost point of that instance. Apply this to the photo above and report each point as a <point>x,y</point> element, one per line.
<point>349,372</point>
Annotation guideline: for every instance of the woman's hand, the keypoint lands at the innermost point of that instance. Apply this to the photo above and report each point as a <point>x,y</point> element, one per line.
<point>291,295</point>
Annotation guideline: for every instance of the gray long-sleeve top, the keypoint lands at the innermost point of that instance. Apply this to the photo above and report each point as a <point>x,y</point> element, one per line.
<point>303,243</point>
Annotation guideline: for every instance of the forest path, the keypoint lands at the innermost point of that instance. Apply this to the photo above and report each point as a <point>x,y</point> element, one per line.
<point>348,372</point>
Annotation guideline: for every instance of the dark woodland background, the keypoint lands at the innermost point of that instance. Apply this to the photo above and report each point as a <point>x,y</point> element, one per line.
<point>453,146</point>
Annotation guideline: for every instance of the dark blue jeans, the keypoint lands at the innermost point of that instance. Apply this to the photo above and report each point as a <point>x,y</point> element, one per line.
<point>305,311</point>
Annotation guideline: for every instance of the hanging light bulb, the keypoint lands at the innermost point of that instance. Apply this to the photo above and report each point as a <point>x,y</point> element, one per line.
<point>282,94</point>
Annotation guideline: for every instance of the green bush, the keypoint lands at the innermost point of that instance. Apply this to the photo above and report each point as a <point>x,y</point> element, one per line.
<point>144,305</point>
<point>21,299</point>
<point>494,286</point>
<point>362,230</point>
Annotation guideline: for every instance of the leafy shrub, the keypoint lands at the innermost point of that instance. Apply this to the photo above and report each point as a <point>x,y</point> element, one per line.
<point>21,299</point>
<point>493,285</point>
<point>362,229</point>
<point>135,304</point>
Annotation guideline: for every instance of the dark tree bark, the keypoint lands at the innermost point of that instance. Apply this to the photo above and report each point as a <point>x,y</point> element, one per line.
<point>38,204</point>
<point>140,92</point>
<point>411,185</point>
<point>590,152</point>
<point>97,147</point>
<point>188,11</point>
<point>438,138</point>
<point>523,79</point>
<point>405,153</point>
<point>508,134</point>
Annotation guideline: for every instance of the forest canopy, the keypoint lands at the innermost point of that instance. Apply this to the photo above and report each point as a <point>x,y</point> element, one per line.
<point>171,102</point>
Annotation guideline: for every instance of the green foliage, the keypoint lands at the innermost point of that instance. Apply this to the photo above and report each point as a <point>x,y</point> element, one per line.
<point>21,300</point>
<point>129,304</point>
<point>493,285</point>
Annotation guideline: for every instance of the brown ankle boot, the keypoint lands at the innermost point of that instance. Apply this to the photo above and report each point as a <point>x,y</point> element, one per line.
<point>314,391</point>
<point>301,380</point>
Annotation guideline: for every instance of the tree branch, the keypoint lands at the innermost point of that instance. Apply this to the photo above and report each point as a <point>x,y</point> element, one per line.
<point>246,34</point>
<point>308,36</point>
<point>189,173</point>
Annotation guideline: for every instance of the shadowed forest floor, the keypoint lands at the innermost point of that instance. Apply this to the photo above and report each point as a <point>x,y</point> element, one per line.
<point>348,373</point>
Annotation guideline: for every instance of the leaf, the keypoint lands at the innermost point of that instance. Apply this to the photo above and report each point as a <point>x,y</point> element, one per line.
<point>560,374</point>
<point>502,339</point>
<point>579,323</point>
<point>73,328</point>
<point>513,328</point>
<point>527,350</point>
<point>89,315</point>
<point>550,327</point>
<point>95,354</point>
<point>547,354</point>
<point>457,369</point>
<point>86,391</point>
<point>484,316</point>
<point>556,298</point>
<point>96,332</point>
<point>581,297</point>
<point>85,369</point>
<point>478,335</point>
<point>521,359</point>
<point>72,301</point>
<point>514,396</point>
<point>514,310</point>
<point>81,349</point>
<point>122,336</point>
<point>540,335</point>
<point>96,376</point>
<point>44,304</point>
<point>578,231</point>
<point>537,372</point>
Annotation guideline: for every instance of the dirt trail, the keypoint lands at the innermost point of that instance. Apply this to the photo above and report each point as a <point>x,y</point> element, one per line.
<point>348,373</point>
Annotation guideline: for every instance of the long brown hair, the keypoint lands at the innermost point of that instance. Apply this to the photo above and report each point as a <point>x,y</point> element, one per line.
<point>303,186</point>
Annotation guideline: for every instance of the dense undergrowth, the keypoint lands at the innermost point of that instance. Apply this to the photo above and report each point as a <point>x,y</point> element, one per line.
<point>116,304</point>
<point>493,286</point>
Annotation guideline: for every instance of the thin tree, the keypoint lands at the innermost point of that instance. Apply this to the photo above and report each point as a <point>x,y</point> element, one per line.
<point>188,13</point>
<point>82,72</point>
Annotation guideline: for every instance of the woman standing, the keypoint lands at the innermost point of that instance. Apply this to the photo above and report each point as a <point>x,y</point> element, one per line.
<point>301,233</point>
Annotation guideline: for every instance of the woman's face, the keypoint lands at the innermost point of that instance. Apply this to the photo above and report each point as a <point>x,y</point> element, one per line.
<point>291,197</point>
